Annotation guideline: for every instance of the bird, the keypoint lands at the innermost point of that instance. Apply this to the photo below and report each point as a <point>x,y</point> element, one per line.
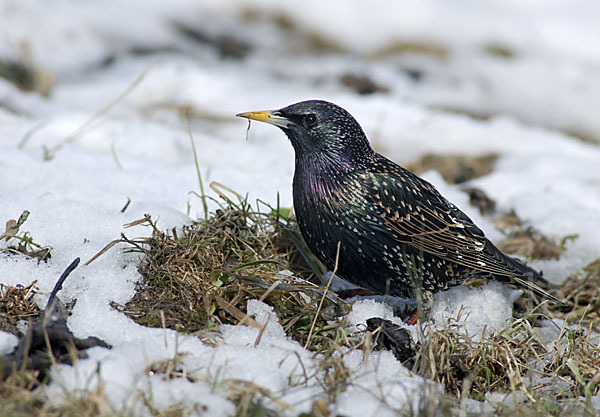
<point>373,222</point>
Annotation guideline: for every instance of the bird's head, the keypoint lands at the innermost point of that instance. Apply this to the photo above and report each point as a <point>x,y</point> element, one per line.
<point>318,129</point>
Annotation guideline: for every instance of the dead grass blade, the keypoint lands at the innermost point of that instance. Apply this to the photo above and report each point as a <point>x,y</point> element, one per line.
<point>87,125</point>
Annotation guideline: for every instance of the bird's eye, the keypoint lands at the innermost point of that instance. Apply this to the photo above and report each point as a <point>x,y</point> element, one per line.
<point>309,120</point>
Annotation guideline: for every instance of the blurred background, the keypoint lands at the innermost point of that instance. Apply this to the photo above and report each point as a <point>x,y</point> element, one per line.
<point>538,61</point>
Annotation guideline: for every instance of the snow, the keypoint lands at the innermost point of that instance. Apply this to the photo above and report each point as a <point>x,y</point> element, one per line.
<point>382,387</point>
<point>367,308</point>
<point>8,341</point>
<point>139,149</point>
<point>462,307</point>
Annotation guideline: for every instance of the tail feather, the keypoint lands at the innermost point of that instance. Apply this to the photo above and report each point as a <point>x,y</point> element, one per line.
<point>526,278</point>
<point>536,290</point>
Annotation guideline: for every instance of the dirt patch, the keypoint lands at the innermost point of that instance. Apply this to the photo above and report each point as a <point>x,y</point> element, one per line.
<point>531,244</point>
<point>362,84</point>
<point>455,169</point>
<point>478,198</point>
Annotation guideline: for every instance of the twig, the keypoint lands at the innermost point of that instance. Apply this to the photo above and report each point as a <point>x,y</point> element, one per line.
<point>51,301</point>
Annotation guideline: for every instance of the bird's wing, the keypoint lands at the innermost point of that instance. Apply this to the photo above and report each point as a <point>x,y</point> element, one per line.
<point>420,216</point>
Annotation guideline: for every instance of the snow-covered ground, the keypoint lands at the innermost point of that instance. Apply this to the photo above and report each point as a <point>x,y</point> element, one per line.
<point>532,68</point>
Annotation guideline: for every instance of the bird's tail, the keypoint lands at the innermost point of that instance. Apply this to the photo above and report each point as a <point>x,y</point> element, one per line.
<point>524,282</point>
<point>522,275</point>
<point>527,277</point>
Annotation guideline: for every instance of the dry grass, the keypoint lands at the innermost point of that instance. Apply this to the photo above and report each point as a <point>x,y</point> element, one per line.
<point>472,368</point>
<point>16,304</point>
<point>514,364</point>
<point>578,359</point>
<point>21,242</point>
<point>510,361</point>
<point>17,400</point>
<point>203,275</point>
<point>582,293</point>
<point>170,368</point>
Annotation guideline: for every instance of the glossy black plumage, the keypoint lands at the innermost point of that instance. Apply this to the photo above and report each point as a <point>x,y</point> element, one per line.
<point>396,231</point>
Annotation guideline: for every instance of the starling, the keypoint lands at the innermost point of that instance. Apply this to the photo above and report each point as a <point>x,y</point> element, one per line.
<point>397,234</point>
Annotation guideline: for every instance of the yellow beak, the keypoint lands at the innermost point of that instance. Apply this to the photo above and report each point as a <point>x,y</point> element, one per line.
<point>267,116</point>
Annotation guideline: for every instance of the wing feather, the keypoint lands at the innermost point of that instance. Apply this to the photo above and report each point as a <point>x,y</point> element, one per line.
<point>428,222</point>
